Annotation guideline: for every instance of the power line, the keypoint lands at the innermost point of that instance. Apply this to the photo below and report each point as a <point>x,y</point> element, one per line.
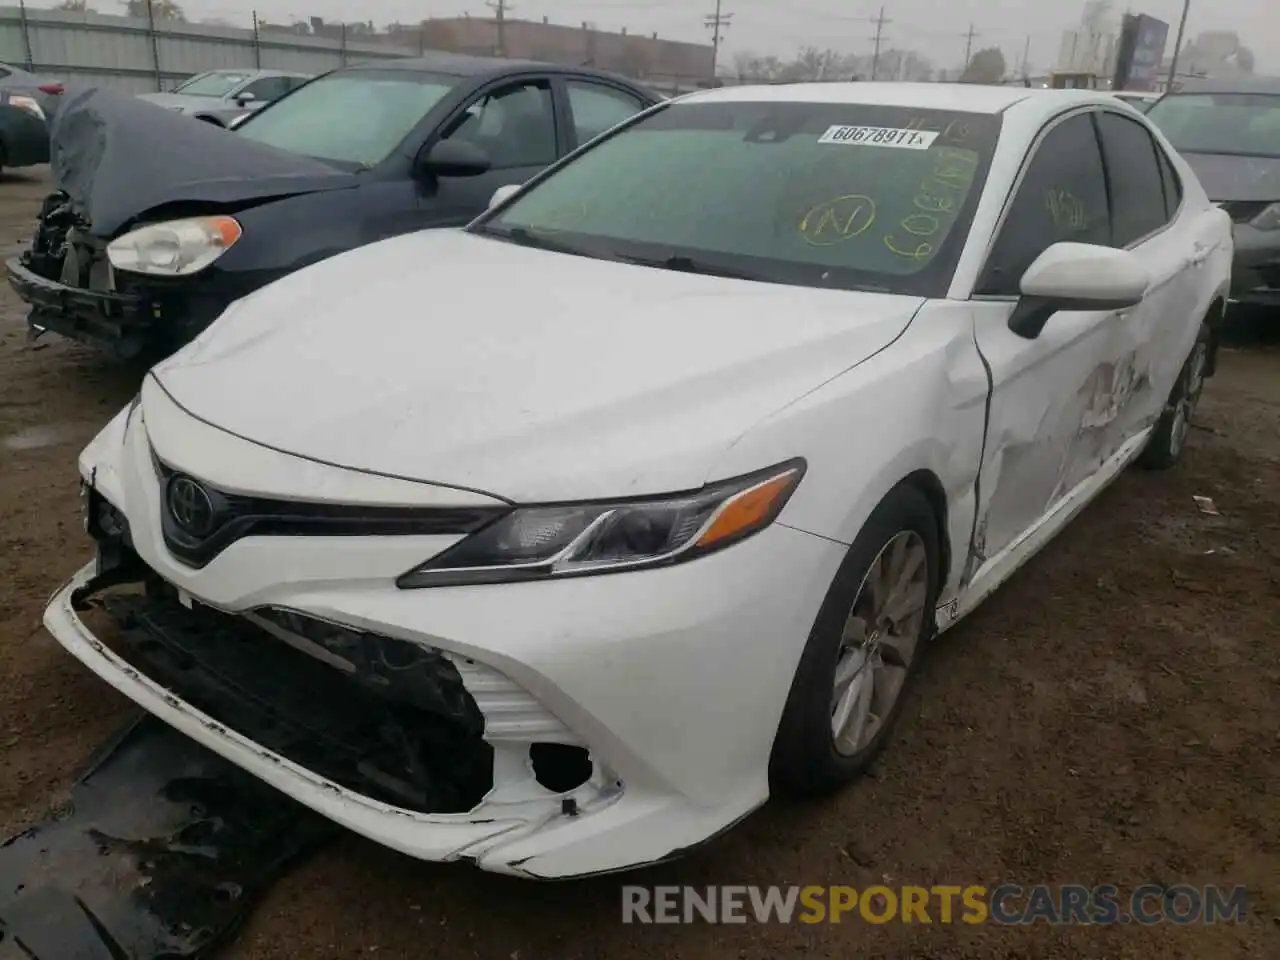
<point>716,22</point>
<point>968,44</point>
<point>500,8</point>
<point>879,21</point>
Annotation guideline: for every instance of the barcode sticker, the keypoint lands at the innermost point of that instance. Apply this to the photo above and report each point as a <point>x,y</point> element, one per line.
<point>899,137</point>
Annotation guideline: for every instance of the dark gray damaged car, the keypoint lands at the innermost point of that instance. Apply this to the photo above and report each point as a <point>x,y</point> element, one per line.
<point>158,223</point>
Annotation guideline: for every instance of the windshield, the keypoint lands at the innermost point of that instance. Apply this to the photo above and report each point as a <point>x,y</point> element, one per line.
<point>211,84</point>
<point>818,194</point>
<point>1226,123</point>
<point>355,117</point>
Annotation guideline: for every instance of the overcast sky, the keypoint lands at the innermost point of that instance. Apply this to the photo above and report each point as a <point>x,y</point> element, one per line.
<point>934,28</point>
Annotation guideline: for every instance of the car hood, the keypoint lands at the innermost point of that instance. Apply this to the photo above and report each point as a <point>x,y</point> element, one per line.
<point>456,359</point>
<point>1226,177</point>
<point>174,101</point>
<point>117,158</point>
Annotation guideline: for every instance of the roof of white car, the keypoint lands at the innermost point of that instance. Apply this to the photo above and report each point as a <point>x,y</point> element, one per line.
<point>971,97</point>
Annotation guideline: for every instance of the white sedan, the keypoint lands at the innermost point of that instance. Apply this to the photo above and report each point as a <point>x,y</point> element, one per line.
<point>560,543</point>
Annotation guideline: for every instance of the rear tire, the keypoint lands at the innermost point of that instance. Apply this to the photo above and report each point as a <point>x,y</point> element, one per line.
<point>854,642</point>
<point>1169,437</point>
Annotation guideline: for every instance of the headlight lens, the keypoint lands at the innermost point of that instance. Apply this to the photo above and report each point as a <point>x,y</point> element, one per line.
<point>28,104</point>
<point>538,543</point>
<point>177,248</point>
<point>1268,219</point>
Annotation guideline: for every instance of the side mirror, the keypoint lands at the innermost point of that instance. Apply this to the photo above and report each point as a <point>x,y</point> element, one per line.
<point>1077,276</point>
<point>245,97</point>
<point>502,194</point>
<point>453,158</point>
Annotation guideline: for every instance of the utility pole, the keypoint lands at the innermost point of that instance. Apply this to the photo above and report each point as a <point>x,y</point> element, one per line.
<point>1026,62</point>
<point>500,9</point>
<point>716,22</point>
<point>968,45</point>
<point>1177,46</point>
<point>880,22</point>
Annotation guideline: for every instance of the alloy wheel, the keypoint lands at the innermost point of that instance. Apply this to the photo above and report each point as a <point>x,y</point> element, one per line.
<point>879,642</point>
<point>1188,397</point>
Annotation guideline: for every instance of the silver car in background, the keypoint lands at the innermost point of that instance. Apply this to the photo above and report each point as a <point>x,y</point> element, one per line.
<point>221,96</point>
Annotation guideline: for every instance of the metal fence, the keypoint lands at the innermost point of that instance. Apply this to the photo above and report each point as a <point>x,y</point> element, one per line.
<point>139,55</point>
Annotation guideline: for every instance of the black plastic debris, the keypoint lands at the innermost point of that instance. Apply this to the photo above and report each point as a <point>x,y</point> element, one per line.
<point>394,722</point>
<point>162,852</point>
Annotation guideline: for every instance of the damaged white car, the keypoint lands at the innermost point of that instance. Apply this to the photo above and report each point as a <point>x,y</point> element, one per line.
<point>561,543</point>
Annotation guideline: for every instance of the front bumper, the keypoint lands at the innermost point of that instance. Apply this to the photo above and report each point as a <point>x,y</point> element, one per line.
<point>673,679</point>
<point>1255,271</point>
<point>122,323</point>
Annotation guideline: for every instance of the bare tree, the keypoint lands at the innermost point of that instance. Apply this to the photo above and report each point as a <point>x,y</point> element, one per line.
<point>986,66</point>
<point>814,64</point>
<point>160,9</point>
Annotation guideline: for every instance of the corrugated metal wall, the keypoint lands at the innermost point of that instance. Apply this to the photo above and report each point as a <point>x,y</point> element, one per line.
<point>124,53</point>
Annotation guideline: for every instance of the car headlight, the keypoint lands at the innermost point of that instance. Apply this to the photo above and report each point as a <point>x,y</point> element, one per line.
<point>177,248</point>
<point>1268,219</point>
<point>539,543</point>
<point>28,104</point>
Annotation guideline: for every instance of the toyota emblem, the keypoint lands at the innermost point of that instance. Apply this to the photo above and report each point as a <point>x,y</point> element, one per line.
<point>190,506</point>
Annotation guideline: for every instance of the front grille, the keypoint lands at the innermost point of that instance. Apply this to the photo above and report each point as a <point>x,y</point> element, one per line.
<point>228,517</point>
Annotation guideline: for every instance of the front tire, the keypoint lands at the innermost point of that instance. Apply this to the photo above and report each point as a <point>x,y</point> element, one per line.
<point>1169,437</point>
<point>864,647</point>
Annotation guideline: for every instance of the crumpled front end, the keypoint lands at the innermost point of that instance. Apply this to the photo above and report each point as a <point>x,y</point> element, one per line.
<point>118,162</point>
<point>547,729</point>
<point>73,290</point>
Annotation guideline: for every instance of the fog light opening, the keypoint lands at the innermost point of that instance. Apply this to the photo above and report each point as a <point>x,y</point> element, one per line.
<point>560,767</point>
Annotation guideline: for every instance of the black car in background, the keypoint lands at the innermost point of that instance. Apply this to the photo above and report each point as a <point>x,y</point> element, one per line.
<point>158,223</point>
<point>26,103</point>
<point>1229,132</point>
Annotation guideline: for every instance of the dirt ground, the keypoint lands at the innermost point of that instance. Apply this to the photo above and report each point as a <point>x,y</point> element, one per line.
<point>1112,715</point>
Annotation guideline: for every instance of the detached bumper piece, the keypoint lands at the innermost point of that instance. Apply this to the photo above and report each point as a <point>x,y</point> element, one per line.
<point>116,322</point>
<point>384,718</point>
<point>162,853</point>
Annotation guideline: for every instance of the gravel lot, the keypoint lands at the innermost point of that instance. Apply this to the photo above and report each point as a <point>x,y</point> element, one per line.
<point>1111,715</point>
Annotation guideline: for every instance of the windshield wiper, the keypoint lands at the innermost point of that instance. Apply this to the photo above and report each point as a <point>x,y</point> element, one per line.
<point>683,264</point>
<point>1247,154</point>
<point>530,238</point>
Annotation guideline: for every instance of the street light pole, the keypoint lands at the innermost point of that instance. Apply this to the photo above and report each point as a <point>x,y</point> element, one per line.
<point>1177,46</point>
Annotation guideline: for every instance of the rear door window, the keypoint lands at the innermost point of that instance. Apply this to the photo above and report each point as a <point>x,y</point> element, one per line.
<point>1133,174</point>
<point>1062,196</point>
<point>596,108</point>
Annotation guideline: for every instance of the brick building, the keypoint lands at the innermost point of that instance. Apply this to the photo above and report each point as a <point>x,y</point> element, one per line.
<point>663,63</point>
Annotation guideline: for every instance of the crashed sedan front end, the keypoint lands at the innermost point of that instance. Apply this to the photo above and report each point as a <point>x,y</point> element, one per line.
<point>513,726</point>
<point>141,248</point>
<point>1255,274</point>
<point>70,279</point>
